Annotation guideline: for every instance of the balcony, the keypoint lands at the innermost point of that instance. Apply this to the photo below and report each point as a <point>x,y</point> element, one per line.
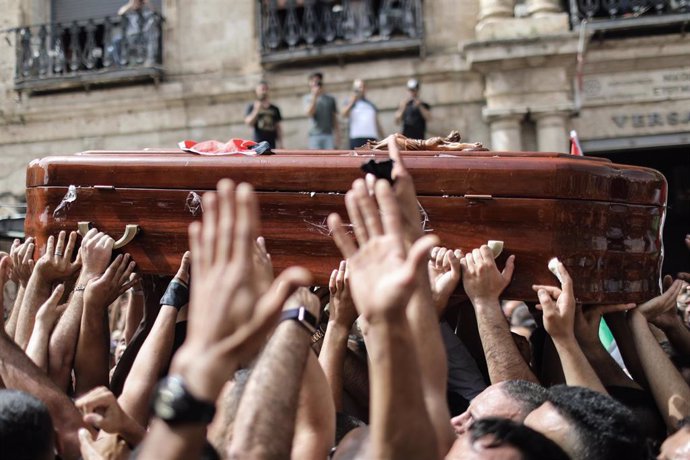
<point>631,17</point>
<point>304,31</point>
<point>87,53</point>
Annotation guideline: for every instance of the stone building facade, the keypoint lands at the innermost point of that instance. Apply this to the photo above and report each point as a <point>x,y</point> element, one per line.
<point>513,76</point>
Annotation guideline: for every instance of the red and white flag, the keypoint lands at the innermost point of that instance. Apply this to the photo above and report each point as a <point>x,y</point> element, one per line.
<point>575,148</point>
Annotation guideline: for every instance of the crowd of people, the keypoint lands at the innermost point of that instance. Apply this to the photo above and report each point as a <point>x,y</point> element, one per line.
<point>234,362</point>
<point>321,108</point>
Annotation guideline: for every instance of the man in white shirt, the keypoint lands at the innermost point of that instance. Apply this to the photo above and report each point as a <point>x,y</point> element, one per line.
<point>363,117</point>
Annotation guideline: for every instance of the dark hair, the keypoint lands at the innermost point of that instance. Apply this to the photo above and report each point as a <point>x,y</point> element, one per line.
<point>531,444</point>
<point>262,83</point>
<point>345,423</point>
<point>530,395</point>
<point>318,75</point>
<point>26,429</point>
<point>605,428</point>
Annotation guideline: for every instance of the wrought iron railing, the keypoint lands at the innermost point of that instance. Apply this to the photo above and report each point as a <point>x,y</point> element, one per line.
<point>619,14</point>
<point>86,51</point>
<point>318,25</point>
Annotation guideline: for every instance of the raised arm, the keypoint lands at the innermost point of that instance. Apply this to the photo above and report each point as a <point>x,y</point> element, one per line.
<point>101,410</point>
<point>47,316</point>
<point>265,421</point>
<point>22,266</point>
<point>54,266</point>
<point>670,391</point>
<point>559,307</point>
<point>342,316</point>
<point>661,312</point>
<point>483,284</point>
<point>384,277</point>
<point>92,356</point>
<point>154,355</point>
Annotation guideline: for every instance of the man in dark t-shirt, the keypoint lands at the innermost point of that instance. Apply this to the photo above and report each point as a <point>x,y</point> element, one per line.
<point>413,113</point>
<point>265,118</point>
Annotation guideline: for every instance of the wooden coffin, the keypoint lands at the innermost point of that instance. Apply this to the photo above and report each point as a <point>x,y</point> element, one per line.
<point>603,220</point>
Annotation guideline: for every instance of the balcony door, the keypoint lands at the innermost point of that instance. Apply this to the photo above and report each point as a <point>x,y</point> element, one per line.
<point>69,10</point>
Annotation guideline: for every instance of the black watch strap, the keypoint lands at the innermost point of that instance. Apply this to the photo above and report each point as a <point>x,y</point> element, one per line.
<point>174,404</point>
<point>303,317</point>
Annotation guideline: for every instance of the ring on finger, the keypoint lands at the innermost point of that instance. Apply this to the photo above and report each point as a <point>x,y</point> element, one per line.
<point>58,253</point>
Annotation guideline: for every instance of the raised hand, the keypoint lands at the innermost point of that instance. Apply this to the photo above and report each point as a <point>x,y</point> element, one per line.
<point>49,313</point>
<point>405,193</point>
<point>96,251</point>
<point>588,318</point>
<point>444,275</point>
<point>56,264</point>
<point>101,410</point>
<point>480,276</point>
<point>382,269</point>
<point>22,263</point>
<point>230,311</point>
<point>661,310</point>
<point>117,278</point>
<point>342,307</point>
<point>558,306</point>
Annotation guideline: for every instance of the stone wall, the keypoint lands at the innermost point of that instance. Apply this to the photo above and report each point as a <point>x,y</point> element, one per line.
<point>212,65</point>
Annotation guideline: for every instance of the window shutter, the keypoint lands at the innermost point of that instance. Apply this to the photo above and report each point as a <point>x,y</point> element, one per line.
<point>69,10</point>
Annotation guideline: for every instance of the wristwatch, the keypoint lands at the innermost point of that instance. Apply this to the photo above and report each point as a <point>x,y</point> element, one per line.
<point>174,404</point>
<point>302,316</point>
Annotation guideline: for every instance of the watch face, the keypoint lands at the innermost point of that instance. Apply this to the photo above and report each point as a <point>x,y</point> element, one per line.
<point>170,394</point>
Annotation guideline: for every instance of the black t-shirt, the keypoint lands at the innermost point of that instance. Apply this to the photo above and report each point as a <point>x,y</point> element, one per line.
<point>265,126</point>
<point>414,124</point>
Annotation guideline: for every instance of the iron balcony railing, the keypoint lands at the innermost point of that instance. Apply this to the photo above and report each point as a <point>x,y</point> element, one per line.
<point>295,29</point>
<point>89,52</point>
<point>629,14</point>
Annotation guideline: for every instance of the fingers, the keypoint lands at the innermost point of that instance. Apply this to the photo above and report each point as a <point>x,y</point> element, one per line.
<point>356,218</point>
<point>546,302</point>
<point>112,269</point>
<point>60,245</point>
<point>183,272</point>
<point>566,280</point>
<point>332,288</point>
<point>667,282</point>
<point>71,243</point>
<point>553,291</point>
<point>390,209</point>
<point>247,225</point>
<point>342,240</point>
<point>87,445</point>
<point>209,230</point>
<point>509,269</point>
<point>368,209</point>
<point>226,219</point>
<point>340,277</point>
<point>614,308</point>
<point>50,246</point>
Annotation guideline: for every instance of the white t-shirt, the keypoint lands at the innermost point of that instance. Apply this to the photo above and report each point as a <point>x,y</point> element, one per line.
<point>363,120</point>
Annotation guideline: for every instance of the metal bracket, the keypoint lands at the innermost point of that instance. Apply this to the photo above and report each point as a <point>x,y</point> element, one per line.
<point>131,231</point>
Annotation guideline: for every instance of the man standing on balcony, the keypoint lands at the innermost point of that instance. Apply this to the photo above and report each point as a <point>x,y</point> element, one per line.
<point>363,117</point>
<point>413,113</point>
<point>324,133</point>
<point>265,118</point>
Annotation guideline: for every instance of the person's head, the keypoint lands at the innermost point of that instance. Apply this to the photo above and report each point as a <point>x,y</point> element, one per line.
<point>26,429</point>
<point>677,446</point>
<point>315,79</point>
<point>261,90</point>
<point>588,425</point>
<point>413,86</point>
<point>504,439</point>
<point>358,87</point>
<point>512,399</point>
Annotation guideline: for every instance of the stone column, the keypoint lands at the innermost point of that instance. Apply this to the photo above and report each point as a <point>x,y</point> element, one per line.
<point>506,132</point>
<point>552,131</point>
<point>540,8</point>
<point>490,9</point>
